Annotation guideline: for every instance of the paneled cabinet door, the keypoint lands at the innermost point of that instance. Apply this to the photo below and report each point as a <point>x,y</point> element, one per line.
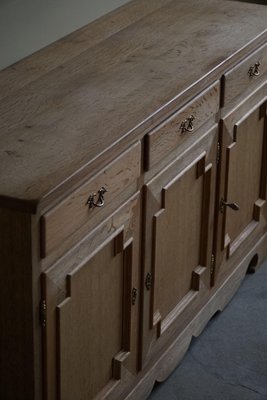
<point>92,298</point>
<point>178,236</point>
<point>242,200</point>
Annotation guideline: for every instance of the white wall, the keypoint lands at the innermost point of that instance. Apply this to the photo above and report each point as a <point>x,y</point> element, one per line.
<point>28,25</point>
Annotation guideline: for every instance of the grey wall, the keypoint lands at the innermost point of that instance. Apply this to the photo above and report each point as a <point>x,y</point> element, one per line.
<point>28,25</point>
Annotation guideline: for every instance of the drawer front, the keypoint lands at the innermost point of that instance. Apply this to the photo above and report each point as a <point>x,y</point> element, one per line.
<point>180,127</point>
<point>89,204</point>
<point>248,73</point>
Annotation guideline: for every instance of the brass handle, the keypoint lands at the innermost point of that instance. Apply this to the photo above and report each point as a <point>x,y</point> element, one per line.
<point>100,201</point>
<point>224,204</point>
<point>254,69</point>
<point>187,124</point>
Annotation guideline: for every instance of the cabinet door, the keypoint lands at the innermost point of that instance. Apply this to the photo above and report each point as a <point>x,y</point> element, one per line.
<point>178,237</point>
<point>90,333</point>
<point>243,190</point>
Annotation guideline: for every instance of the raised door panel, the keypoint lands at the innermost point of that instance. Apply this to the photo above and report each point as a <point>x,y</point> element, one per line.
<point>88,347</point>
<point>91,332</point>
<point>180,245</point>
<point>179,230</point>
<point>245,179</point>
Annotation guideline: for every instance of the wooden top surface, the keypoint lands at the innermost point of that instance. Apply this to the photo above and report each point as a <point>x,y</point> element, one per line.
<point>68,103</point>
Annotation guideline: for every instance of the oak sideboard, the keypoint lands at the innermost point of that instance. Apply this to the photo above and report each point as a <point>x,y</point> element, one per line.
<point>133,177</point>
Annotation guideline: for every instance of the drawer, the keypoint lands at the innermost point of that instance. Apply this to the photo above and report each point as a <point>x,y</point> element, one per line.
<point>180,127</point>
<point>248,73</point>
<point>89,204</point>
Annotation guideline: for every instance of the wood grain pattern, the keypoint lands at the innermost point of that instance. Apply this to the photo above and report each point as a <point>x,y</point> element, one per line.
<point>73,294</point>
<point>248,140</point>
<point>238,81</point>
<point>106,93</point>
<point>175,263</point>
<point>52,296</point>
<point>53,56</point>
<point>73,212</point>
<point>93,110</point>
<point>178,270</point>
<point>168,136</point>
<point>263,179</point>
<point>80,348</point>
<point>17,374</point>
<point>253,102</point>
<point>178,239</point>
<point>172,355</point>
<point>244,125</point>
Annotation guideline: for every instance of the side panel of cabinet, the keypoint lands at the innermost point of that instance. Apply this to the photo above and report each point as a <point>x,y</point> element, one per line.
<point>91,332</point>
<point>179,232</point>
<point>243,181</point>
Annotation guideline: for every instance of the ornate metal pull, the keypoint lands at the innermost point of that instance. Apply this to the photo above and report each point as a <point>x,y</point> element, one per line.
<point>187,124</point>
<point>224,204</point>
<point>100,201</point>
<point>254,70</point>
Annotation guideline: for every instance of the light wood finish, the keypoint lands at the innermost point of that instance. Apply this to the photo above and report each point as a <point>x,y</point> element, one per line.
<point>174,353</point>
<point>248,139</point>
<point>73,45</point>
<point>81,335</point>
<point>85,347</point>
<point>112,88</point>
<point>98,303</point>
<point>183,202</point>
<point>243,132</point>
<point>238,79</point>
<point>169,135</point>
<point>179,220</point>
<point>74,211</point>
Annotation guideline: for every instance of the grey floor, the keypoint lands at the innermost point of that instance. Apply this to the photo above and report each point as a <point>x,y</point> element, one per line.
<point>255,1</point>
<point>228,361</point>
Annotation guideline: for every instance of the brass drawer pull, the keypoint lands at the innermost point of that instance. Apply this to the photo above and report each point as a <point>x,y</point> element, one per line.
<point>100,201</point>
<point>224,204</point>
<point>187,124</point>
<point>254,70</point>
